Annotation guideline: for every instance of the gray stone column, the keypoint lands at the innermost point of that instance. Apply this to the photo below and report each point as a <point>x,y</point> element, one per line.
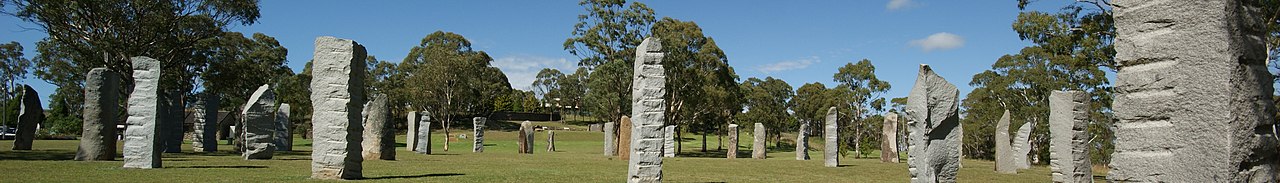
<point>284,129</point>
<point>551,141</point>
<point>411,136</point>
<point>379,142</point>
<point>802,141</point>
<point>424,134</point>
<point>525,138</point>
<point>205,131</point>
<point>610,139</point>
<point>831,134</point>
<point>30,115</point>
<point>758,149</point>
<point>1021,146</point>
<point>337,98</point>
<point>669,141</point>
<point>647,111</point>
<point>101,112</point>
<point>934,125</point>
<point>1004,153</point>
<point>733,142</point>
<point>889,139</point>
<point>260,124</point>
<point>478,129</point>
<point>1069,127</point>
<point>141,134</point>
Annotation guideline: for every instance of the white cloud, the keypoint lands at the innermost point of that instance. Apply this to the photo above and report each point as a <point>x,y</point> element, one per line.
<point>898,4</point>
<point>522,69</point>
<point>788,65</point>
<point>939,41</point>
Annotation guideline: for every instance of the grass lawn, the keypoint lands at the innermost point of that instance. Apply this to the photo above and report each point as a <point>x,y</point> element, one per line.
<point>578,159</point>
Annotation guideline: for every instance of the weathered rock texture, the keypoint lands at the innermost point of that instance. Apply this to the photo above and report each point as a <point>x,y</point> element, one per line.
<point>284,129</point>
<point>379,141</point>
<point>260,124</point>
<point>1068,146</point>
<point>732,152</point>
<point>424,135</point>
<point>525,139</point>
<point>758,150</point>
<point>624,138</point>
<point>647,110</point>
<point>1193,94</point>
<point>831,149</point>
<point>610,139</point>
<point>1004,153</point>
<point>934,125</point>
<point>551,141</point>
<point>205,130</point>
<point>669,141</point>
<point>337,98</point>
<point>101,112</point>
<point>889,139</point>
<point>30,116</point>
<point>478,130</point>
<point>1021,146</point>
<point>141,135</point>
<point>411,137</point>
<point>802,142</point>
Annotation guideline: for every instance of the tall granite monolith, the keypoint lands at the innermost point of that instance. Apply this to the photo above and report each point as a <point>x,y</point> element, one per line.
<point>284,129</point>
<point>260,124</point>
<point>1021,146</point>
<point>889,139</point>
<point>411,136</point>
<point>624,138</point>
<point>30,115</point>
<point>758,149</point>
<point>101,112</point>
<point>424,134</point>
<point>802,142</point>
<point>610,139</point>
<point>205,131</point>
<point>831,137</point>
<point>525,139</point>
<point>1004,153</point>
<point>732,152</point>
<point>934,125</point>
<point>669,141</point>
<point>1069,142</point>
<point>379,141</point>
<point>551,141</point>
<point>141,134</point>
<point>477,128</point>
<point>647,111</point>
<point>337,99</point>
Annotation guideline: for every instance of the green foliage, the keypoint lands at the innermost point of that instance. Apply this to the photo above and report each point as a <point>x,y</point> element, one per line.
<point>702,89</point>
<point>610,91</point>
<point>609,31</point>
<point>61,121</point>
<point>861,94</point>
<point>13,67</point>
<point>238,65</point>
<point>449,79</point>
<point>767,102</point>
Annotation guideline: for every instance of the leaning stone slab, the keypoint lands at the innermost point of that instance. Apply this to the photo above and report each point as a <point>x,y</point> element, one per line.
<point>478,128</point>
<point>101,112</point>
<point>624,138</point>
<point>205,130</point>
<point>647,111</point>
<point>260,124</point>
<point>379,142</point>
<point>934,125</point>
<point>1069,145</point>
<point>141,135</point>
<point>831,135</point>
<point>758,149</point>
<point>733,142</point>
<point>1021,146</point>
<point>284,129</point>
<point>1004,153</point>
<point>889,139</point>
<point>337,98</point>
<point>610,139</point>
<point>30,116</point>
<point>669,141</point>
<point>802,142</point>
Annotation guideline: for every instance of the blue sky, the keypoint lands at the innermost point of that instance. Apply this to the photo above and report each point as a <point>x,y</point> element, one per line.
<point>797,41</point>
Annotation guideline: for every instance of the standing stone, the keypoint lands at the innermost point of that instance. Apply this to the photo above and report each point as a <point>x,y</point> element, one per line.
<point>204,138</point>
<point>934,125</point>
<point>526,138</point>
<point>595,127</point>
<point>284,129</point>
<point>141,134</point>
<point>551,141</point>
<point>1069,146</point>
<point>424,134</point>
<point>669,141</point>
<point>802,142</point>
<point>624,138</point>
<point>171,118</point>
<point>733,142</point>
<point>1193,94</point>
<point>889,140</point>
<point>100,113</point>
<point>379,142</point>
<point>758,149</point>
<point>260,124</point>
<point>831,149</point>
<point>411,136</point>
<point>1004,154</point>
<point>610,139</point>
<point>478,128</point>
<point>647,109</point>
<point>1021,147</point>
<point>30,116</point>
<point>337,98</point>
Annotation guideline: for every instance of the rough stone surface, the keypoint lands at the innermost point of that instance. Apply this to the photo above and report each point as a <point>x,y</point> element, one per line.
<point>1068,146</point>
<point>379,141</point>
<point>1021,146</point>
<point>934,125</point>
<point>337,98</point>
<point>171,118</point>
<point>551,141</point>
<point>831,135</point>
<point>525,138</point>
<point>624,138</point>
<point>141,134</point>
<point>732,152</point>
<point>889,139</point>
<point>1004,153</point>
<point>205,131</point>
<point>802,142</point>
<point>424,135</point>
<point>647,110</point>
<point>758,147</point>
<point>610,139</point>
<point>284,129</point>
<point>669,141</point>
<point>478,129</point>
<point>101,112</point>
<point>260,124</point>
<point>411,136</point>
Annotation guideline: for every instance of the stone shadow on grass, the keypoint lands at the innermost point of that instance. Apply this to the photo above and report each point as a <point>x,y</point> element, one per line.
<point>37,155</point>
<point>220,166</point>
<point>413,176</point>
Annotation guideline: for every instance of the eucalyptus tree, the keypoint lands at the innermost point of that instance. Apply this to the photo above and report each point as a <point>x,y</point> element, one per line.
<point>450,79</point>
<point>604,39</point>
<point>702,89</point>
<point>862,94</point>
<point>767,101</point>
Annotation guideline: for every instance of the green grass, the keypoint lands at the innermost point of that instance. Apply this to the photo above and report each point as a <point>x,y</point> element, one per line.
<point>578,159</point>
